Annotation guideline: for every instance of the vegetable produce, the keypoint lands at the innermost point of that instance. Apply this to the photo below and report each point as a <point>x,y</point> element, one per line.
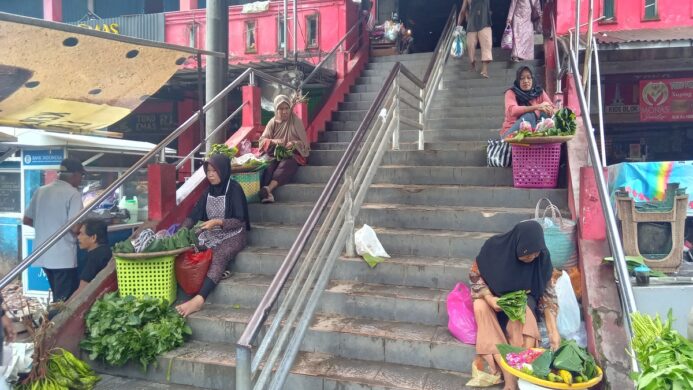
<point>569,364</point>
<point>665,356</point>
<point>63,371</point>
<point>223,149</point>
<point>571,357</point>
<point>123,329</point>
<point>561,124</point>
<point>183,238</point>
<point>283,153</point>
<point>565,121</point>
<point>514,304</point>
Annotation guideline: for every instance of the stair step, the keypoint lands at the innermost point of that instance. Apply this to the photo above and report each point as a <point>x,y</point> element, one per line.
<point>397,174</point>
<point>476,122</point>
<point>211,365</point>
<point>109,382</point>
<point>430,272</point>
<point>443,195</point>
<point>408,242</point>
<point>429,346</point>
<point>403,57</point>
<point>474,154</point>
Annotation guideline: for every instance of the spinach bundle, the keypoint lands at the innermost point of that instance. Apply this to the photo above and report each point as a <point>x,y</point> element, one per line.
<point>665,356</point>
<point>513,305</point>
<point>283,153</point>
<point>123,329</point>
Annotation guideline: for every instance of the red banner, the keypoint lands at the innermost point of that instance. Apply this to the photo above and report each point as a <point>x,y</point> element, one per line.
<point>669,100</point>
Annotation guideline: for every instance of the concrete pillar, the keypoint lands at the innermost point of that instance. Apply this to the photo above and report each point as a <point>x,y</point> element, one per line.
<point>341,64</point>
<point>161,180</point>
<point>187,5</point>
<point>252,112</point>
<point>216,40</point>
<point>571,99</point>
<point>301,111</point>
<point>53,10</point>
<point>592,224</point>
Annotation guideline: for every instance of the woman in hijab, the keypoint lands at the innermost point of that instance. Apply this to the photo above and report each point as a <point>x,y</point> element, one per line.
<point>525,101</point>
<point>285,130</point>
<point>224,212</point>
<point>513,261</point>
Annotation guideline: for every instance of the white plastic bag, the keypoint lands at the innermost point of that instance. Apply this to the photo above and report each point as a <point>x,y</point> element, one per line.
<point>367,242</point>
<point>568,309</point>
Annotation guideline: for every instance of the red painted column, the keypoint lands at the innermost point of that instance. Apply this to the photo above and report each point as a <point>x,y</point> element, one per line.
<point>53,10</point>
<point>252,112</point>
<point>341,64</point>
<point>301,111</point>
<point>162,190</point>
<point>571,99</point>
<point>592,223</point>
<point>187,5</point>
<point>190,138</point>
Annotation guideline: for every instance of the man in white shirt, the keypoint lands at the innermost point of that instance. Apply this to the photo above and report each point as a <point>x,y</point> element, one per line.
<point>51,207</point>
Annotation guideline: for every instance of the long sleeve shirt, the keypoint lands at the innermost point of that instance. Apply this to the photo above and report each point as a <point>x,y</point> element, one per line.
<point>513,110</point>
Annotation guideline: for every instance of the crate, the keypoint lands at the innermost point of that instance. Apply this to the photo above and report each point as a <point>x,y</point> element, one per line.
<point>152,276</point>
<point>250,182</point>
<point>536,165</point>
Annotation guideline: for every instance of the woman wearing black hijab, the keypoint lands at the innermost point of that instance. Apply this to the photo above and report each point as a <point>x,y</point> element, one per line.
<point>525,101</point>
<point>224,212</point>
<point>513,261</point>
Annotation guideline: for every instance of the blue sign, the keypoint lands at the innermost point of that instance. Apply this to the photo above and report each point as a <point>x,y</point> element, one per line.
<point>43,157</point>
<point>37,280</point>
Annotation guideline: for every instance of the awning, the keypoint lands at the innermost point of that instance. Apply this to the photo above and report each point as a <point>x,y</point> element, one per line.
<point>7,138</point>
<point>43,139</point>
<point>61,77</point>
<point>650,38</point>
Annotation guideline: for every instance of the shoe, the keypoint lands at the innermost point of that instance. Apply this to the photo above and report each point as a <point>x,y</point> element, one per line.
<point>268,199</point>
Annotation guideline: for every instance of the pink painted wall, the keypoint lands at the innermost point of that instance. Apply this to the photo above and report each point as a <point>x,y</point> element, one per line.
<point>335,17</point>
<point>629,15</point>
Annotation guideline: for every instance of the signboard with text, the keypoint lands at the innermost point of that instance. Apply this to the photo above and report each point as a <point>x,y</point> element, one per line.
<point>666,100</point>
<point>42,157</point>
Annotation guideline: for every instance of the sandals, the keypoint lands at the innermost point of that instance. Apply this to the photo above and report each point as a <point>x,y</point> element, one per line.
<point>472,66</point>
<point>484,75</point>
<point>227,274</point>
<point>266,196</point>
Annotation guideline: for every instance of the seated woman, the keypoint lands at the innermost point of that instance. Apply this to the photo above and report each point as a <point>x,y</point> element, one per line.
<point>513,261</point>
<point>224,211</point>
<point>525,101</point>
<point>93,237</point>
<point>287,130</point>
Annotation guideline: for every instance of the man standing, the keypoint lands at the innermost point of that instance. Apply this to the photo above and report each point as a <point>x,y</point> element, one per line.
<point>50,208</point>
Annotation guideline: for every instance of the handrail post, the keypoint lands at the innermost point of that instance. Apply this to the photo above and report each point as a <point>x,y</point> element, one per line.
<point>422,108</point>
<point>395,134</point>
<point>350,247</point>
<point>243,381</point>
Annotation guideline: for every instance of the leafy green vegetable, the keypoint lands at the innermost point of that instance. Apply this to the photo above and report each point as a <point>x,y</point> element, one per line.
<point>634,261</point>
<point>223,149</point>
<point>183,238</point>
<point>514,305</point>
<point>283,153</point>
<point>665,356</point>
<point>504,349</point>
<point>564,120</point>
<point>123,329</point>
<point>571,357</point>
<point>541,366</point>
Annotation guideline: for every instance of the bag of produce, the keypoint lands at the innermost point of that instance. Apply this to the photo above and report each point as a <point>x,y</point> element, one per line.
<point>461,321</point>
<point>191,269</point>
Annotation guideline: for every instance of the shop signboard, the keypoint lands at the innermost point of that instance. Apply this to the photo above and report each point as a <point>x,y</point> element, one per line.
<point>666,100</point>
<point>42,157</point>
<point>34,279</point>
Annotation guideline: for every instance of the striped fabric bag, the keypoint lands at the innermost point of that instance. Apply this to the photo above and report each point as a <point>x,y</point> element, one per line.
<point>498,153</point>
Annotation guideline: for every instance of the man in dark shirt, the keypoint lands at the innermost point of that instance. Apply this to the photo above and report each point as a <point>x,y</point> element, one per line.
<point>93,237</point>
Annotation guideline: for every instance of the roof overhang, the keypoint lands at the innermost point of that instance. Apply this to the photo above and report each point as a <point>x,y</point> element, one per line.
<point>651,38</point>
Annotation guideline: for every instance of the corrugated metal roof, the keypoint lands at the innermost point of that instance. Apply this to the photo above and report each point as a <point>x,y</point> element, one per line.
<point>652,35</point>
<point>145,26</point>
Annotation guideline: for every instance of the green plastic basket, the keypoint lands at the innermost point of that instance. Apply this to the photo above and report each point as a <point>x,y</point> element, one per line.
<point>250,182</point>
<point>152,276</point>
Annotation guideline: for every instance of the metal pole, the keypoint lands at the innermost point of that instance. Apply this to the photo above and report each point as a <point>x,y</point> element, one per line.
<point>578,4</point>
<point>395,134</point>
<point>215,40</point>
<point>597,73</point>
<point>200,103</point>
<point>243,381</point>
<point>295,31</point>
<point>286,29</point>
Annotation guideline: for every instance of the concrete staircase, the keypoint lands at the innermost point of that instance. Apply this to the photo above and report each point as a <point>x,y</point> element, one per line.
<point>382,328</point>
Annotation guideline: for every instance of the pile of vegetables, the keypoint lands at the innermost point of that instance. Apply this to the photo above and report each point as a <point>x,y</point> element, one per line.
<point>569,364</point>
<point>223,149</point>
<point>514,305</point>
<point>183,238</point>
<point>123,329</point>
<point>665,356</point>
<point>562,123</point>
<point>62,370</point>
<point>282,152</point>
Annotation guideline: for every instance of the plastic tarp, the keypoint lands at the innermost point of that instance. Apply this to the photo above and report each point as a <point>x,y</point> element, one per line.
<point>60,77</point>
<point>647,181</point>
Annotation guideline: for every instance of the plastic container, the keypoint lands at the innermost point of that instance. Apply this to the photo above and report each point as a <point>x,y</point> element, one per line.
<point>642,275</point>
<point>153,276</point>
<point>536,165</point>
<point>250,182</point>
<point>132,206</point>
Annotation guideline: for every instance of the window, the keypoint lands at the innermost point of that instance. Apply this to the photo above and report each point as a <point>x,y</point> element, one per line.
<point>281,41</point>
<point>609,10</point>
<point>651,11</point>
<point>312,31</point>
<point>251,36</point>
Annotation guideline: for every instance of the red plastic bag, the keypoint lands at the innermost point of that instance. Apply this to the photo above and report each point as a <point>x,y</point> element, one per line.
<point>461,321</point>
<point>191,269</point>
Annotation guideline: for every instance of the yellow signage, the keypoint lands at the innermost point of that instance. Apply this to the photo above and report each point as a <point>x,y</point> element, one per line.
<point>112,28</point>
<point>65,114</point>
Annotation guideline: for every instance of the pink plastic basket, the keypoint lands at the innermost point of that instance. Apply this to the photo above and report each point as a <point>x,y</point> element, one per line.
<point>536,166</point>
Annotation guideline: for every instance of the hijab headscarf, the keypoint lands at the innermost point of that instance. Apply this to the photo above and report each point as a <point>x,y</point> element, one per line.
<point>524,97</point>
<point>289,130</point>
<point>236,205</point>
<point>503,271</point>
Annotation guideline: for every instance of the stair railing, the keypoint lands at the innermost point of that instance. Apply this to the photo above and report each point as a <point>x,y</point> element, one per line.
<point>625,289</point>
<point>268,367</point>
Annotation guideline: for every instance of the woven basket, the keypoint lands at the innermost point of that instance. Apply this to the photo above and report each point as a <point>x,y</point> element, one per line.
<point>153,276</point>
<point>250,182</point>
<point>536,166</point>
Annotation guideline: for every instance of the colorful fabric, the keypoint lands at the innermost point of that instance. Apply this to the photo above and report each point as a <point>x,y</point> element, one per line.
<point>520,14</point>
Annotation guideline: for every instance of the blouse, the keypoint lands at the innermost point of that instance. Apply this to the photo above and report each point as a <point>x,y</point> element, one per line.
<point>513,111</point>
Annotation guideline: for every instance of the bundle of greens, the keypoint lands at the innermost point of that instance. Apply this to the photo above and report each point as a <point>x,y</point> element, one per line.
<point>183,238</point>
<point>62,371</point>
<point>123,329</point>
<point>562,123</point>
<point>513,305</point>
<point>569,364</point>
<point>223,149</point>
<point>665,356</point>
<point>283,153</point>
<point>575,360</point>
<point>564,120</point>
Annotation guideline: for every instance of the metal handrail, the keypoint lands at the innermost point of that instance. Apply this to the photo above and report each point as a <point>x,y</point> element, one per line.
<point>159,148</point>
<point>322,62</point>
<point>337,226</point>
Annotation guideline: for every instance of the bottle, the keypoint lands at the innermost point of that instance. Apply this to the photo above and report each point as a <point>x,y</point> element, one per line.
<point>132,206</point>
